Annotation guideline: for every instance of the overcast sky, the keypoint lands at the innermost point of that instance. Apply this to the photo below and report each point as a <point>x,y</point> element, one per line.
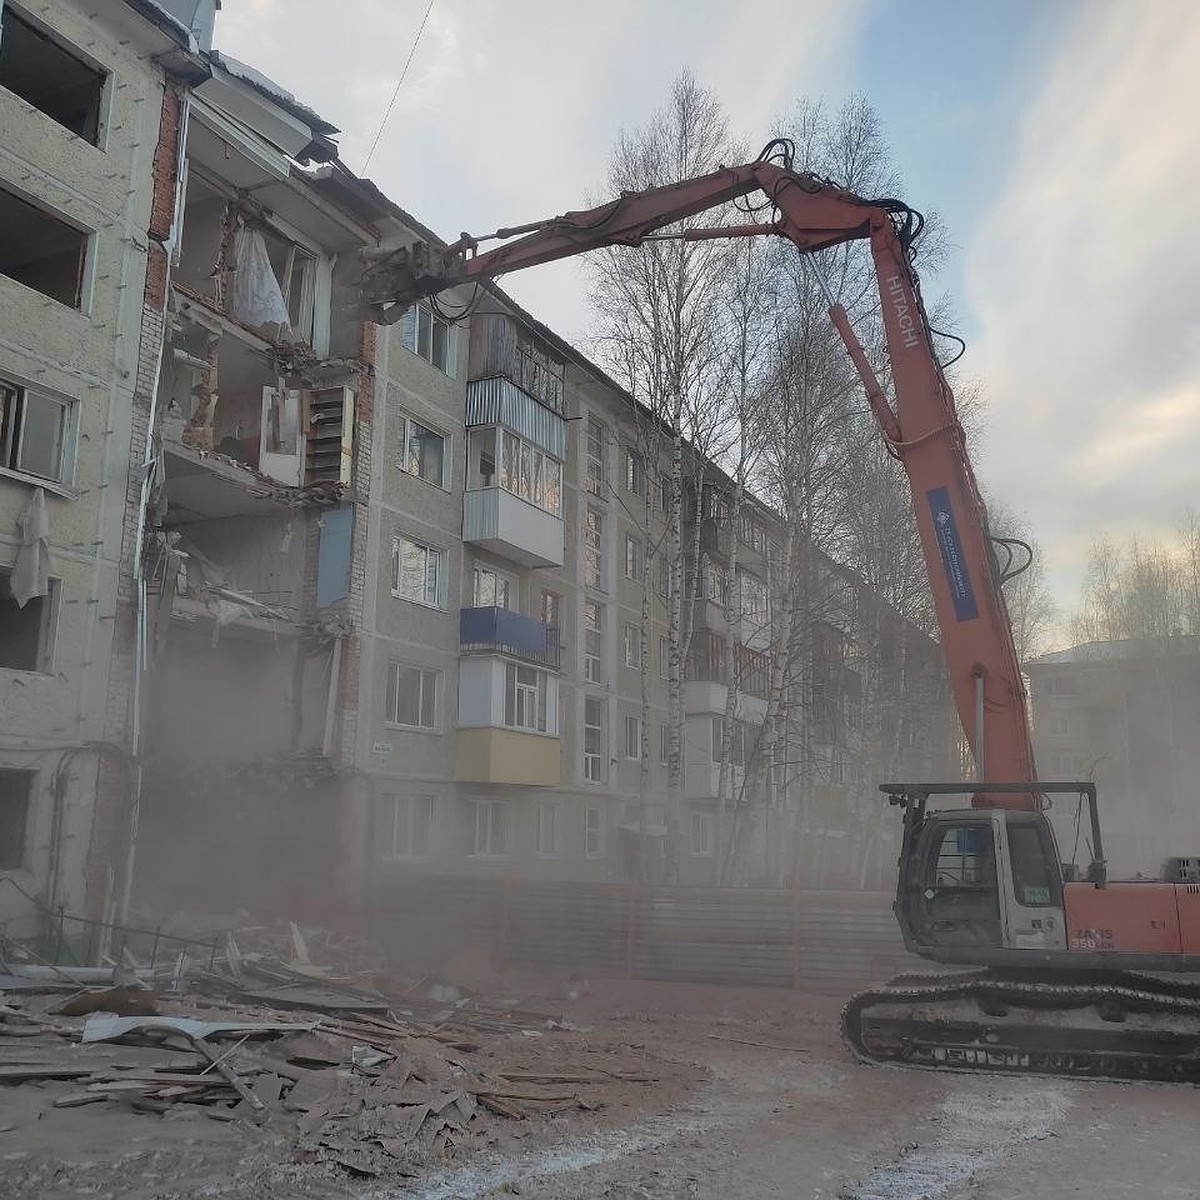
<point>1058,138</point>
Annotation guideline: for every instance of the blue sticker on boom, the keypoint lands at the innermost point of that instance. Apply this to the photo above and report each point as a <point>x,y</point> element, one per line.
<point>955,565</point>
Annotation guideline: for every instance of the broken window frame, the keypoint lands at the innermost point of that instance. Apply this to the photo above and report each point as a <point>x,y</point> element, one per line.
<point>93,128</point>
<point>15,406</point>
<point>428,686</point>
<point>15,785</point>
<point>414,817</point>
<point>310,320</point>
<point>43,656</point>
<point>79,297</point>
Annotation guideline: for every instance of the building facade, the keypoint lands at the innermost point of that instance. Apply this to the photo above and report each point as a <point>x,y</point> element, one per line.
<point>88,104</point>
<point>1123,715</point>
<point>330,602</point>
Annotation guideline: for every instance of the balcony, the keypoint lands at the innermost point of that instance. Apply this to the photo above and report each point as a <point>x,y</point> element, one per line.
<point>513,528</point>
<point>501,631</point>
<point>488,755</point>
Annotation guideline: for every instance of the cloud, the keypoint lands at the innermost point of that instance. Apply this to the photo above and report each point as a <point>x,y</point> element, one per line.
<point>1081,277</point>
<point>508,110</point>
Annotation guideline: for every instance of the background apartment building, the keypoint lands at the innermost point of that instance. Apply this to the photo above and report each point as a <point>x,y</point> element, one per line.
<point>1123,714</point>
<point>519,648</point>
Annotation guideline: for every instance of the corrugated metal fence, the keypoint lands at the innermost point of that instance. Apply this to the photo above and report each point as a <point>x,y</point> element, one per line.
<point>815,941</point>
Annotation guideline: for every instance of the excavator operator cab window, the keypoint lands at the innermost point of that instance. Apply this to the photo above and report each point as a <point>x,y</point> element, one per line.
<point>1034,879</point>
<point>958,899</point>
<point>965,858</point>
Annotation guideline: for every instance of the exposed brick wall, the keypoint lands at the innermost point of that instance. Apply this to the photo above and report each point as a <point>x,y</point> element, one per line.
<point>166,159</point>
<point>156,277</point>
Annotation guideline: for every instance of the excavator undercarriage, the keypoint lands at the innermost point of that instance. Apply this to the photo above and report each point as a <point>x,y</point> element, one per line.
<point>1116,1025</point>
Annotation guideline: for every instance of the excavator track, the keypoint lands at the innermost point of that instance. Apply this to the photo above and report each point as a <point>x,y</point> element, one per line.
<point>1114,1026</point>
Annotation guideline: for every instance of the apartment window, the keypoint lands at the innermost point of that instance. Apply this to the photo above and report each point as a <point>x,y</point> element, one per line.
<point>737,741</point>
<point>635,558</point>
<point>664,743</point>
<point>753,534</point>
<point>493,589</point>
<point>525,691</point>
<point>1061,724</point>
<point>666,493</point>
<point>51,78</point>
<point>412,696</point>
<point>716,506</point>
<point>664,658</point>
<point>36,432</point>
<point>702,835</point>
<point>406,825</point>
<point>593,740</point>
<point>664,578</point>
<point>15,789</point>
<point>593,833</point>
<point>755,602</point>
<point>631,638</point>
<point>27,634</point>
<point>548,829</point>
<point>41,251</point>
<point>417,572</point>
<point>597,433</point>
<point>486,828</point>
<point>593,549</point>
<point>529,472</point>
<point>426,334</point>
<point>635,473</point>
<point>424,453</point>
<point>633,736</point>
<point>551,609</point>
<point>715,582</point>
<point>593,641</point>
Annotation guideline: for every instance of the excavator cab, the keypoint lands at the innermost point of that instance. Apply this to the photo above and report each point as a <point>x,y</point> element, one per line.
<point>977,884</point>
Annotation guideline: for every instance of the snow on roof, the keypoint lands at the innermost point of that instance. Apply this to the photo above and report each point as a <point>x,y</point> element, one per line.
<point>272,90</point>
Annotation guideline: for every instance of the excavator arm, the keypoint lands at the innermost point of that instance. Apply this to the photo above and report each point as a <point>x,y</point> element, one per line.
<point>921,427</point>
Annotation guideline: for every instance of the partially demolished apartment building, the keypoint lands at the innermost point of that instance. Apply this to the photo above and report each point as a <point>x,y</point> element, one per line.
<point>84,92</point>
<point>317,602</point>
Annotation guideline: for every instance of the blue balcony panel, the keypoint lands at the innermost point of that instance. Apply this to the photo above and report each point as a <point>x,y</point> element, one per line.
<point>502,631</point>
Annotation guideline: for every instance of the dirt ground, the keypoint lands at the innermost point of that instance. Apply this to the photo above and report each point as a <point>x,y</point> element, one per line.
<point>706,1092</point>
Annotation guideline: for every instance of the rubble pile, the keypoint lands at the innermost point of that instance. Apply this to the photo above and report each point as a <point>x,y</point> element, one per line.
<point>377,1083</point>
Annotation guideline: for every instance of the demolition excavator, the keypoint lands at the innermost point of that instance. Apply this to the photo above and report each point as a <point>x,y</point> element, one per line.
<point>1056,969</point>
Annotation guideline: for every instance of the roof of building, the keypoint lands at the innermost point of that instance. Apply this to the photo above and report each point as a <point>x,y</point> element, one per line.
<point>1121,650</point>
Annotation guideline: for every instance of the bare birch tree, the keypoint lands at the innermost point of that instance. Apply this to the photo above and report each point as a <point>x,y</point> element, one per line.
<point>660,326</point>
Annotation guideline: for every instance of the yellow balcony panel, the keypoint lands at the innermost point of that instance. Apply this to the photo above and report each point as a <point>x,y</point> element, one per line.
<point>491,755</point>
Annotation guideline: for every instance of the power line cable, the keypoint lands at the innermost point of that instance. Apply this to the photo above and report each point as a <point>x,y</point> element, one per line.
<point>399,84</point>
